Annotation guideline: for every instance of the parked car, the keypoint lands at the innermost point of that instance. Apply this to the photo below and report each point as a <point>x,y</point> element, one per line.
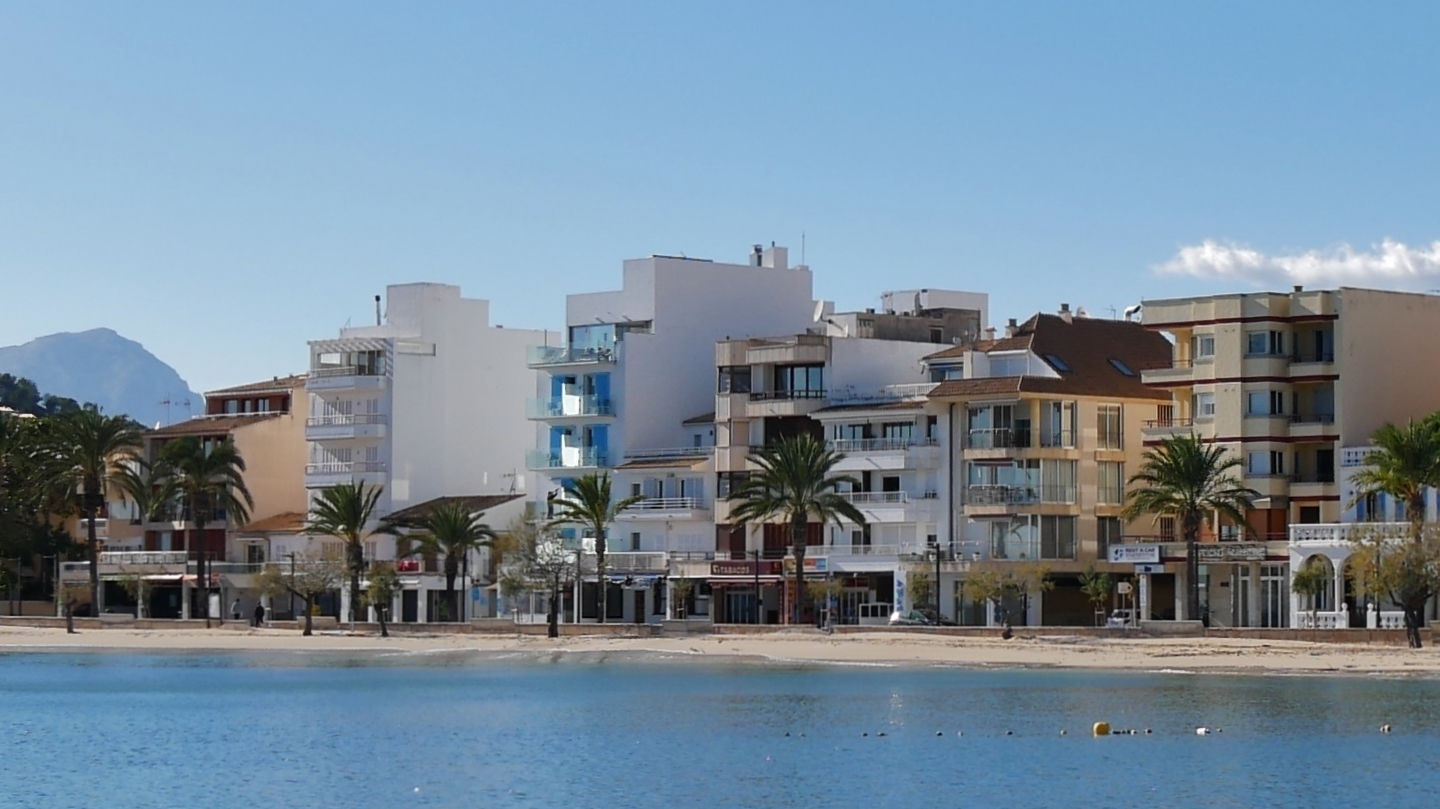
<point>911,618</point>
<point>1120,618</point>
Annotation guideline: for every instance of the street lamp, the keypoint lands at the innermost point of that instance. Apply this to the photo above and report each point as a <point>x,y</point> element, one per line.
<point>292,584</point>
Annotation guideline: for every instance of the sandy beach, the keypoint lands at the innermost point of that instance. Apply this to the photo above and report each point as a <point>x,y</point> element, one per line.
<point>1036,650</point>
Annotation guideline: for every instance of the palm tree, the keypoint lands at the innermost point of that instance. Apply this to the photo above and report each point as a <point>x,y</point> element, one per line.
<point>94,449</point>
<point>146,485</point>
<point>586,504</point>
<point>342,511</point>
<point>450,531</point>
<point>1188,479</point>
<point>794,482</point>
<point>207,479</point>
<point>1406,463</point>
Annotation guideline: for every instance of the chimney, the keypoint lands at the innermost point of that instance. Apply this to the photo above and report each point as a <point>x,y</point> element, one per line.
<point>1299,288</point>
<point>990,333</point>
<point>377,310</point>
<point>757,259</point>
<point>1065,312</point>
<point>1011,327</point>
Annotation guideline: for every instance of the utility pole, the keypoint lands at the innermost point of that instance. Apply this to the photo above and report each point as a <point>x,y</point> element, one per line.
<point>290,589</point>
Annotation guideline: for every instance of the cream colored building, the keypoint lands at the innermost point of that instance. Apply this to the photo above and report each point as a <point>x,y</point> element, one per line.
<point>1042,429</point>
<point>1284,380</point>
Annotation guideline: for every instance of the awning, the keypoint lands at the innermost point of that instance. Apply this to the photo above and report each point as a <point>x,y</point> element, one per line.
<point>738,581</point>
<point>161,577</point>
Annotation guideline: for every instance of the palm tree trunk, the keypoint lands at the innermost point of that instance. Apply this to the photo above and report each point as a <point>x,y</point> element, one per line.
<point>357,561</point>
<point>552,629</point>
<point>203,576</point>
<point>94,553</point>
<point>798,524</point>
<point>380,613</point>
<point>601,585</point>
<point>1192,566</point>
<point>309,611</point>
<point>451,571</point>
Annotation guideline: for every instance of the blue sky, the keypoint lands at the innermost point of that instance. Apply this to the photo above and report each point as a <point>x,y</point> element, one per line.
<point>225,181</point>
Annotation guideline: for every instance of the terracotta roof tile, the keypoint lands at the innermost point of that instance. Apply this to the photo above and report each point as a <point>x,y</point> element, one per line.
<point>1086,347</point>
<point>288,522</point>
<point>475,502</point>
<point>703,418</point>
<point>210,425</point>
<point>279,383</point>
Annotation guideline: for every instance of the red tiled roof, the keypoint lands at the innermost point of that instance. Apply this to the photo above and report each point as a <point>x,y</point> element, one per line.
<point>210,425</point>
<point>476,503</point>
<point>288,522</point>
<point>1086,346</point>
<point>277,384</point>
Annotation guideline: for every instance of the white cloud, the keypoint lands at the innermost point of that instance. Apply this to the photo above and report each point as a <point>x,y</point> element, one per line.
<point>1389,264</point>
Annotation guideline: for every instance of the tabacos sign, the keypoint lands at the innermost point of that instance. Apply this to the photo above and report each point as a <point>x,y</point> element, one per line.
<point>813,564</point>
<point>764,567</point>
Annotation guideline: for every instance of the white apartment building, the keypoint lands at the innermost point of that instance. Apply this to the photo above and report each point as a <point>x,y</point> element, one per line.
<point>633,366</point>
<point>429,403</point>
<point>864,395</point>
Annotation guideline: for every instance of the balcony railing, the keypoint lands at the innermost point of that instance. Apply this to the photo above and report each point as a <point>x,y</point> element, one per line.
<point>669,504</point>
<point>566,459</point>
<point>1063,438</point>
<point>998,438</point>
<point>344,467</point>
<point>139,558</point>
<point>1312,477</point>
<point>1313,418</point>
<point>785,395</point>
<point>346,419</point>
<point>1301,357</point>
<point>1011,548</point>
<point>667,452</point>
<point>1000,494</point>
<point>880,444</point>
<point>1168,424</point>
<point>865,498</point>
<point>561,355</point>
<point>326,371</point>
<point>569,406</point>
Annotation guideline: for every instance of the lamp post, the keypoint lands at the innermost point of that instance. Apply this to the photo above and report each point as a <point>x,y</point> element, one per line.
<point>291,555</point>
<point>937,582</point>
<point>756,570</point>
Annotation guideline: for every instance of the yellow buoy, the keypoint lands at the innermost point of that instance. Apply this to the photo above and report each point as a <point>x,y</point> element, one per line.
<point>1101,729</point>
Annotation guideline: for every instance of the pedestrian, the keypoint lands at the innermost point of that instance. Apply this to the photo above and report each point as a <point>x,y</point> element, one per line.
<point>235,609</point>
<point>259,615</point>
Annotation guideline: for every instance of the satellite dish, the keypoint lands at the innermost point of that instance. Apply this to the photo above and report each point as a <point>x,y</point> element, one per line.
<point>819,311</point>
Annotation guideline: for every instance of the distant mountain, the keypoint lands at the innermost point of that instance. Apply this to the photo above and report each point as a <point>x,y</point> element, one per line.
<point>102,367</point>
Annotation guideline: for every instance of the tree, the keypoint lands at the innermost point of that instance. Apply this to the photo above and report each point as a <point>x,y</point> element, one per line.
<point>452,532</point>
<point>1097,588</point>
<point>1402,569</point>
<point>148,487</point>
<point>922,591</point>
<point>343,511</point>
<point>94,449</point>
<point>680,590</point>
<point>1310,581</point>
<point>1002,584</point>
<point>308,578</point>
<point>795,482</point>
<point>1188,479</point>
<point>586,504</point>
<point>825,592</point>
<point>208,479</point>
<point>537,561</point>
<point>380,591</point>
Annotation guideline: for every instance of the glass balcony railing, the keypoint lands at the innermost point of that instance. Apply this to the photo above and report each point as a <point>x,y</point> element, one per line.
<point>569,407</point>
<point>566,458</point>
<point>564,355</point>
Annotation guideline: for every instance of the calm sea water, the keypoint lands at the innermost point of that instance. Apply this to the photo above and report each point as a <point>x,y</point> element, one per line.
<point>294,730</point>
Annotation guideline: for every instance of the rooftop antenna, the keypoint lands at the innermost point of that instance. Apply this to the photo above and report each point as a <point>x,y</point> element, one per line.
<point>802,248</point>
<point>1111,310</point>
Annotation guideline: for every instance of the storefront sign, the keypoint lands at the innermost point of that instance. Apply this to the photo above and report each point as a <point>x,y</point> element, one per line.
<point>813,564</point>
<point>1135,554</point>
<point>747,567</point>
<point>1231,552</point>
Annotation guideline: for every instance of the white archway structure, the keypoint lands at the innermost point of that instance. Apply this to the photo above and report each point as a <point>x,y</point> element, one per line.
<point>1335,542</point>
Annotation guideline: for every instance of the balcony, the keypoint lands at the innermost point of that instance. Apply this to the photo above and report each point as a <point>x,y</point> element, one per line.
<point>998,438</point>
<point>1167,428</point>
<point>345,427</point>
<point>894,507</point>
<point>560,357</point>
<point>680,453</point>
<point>852,445</point>
<point>1013,548</point>
<point>798,402</point>
<point>1062,439</point>
<point>565,408</point>
<point>999,494</point>
<point>668,508</point>
<point>344,377</point>
<point>621,562</point>
<point>577,459</point>
<point>1311,359</point>
<point>332,473</point>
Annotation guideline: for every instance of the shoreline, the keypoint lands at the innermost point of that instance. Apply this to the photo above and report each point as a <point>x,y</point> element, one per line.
<point>871,649</point>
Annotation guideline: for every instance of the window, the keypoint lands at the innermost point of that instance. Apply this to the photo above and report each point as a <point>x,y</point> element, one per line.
<point>937,335</point>
<point>1057,481</point>
<point>1057,537</point>
<point>1265,403</point>
<point>1107,533</point>
<point>1202,406</point>
<point>800,381</point>
<point>1010,365</point>
<point>634,540</point>
<point>899,431</point>
<point>1112,483</point>
<point>733,379</point>
<point>262,406</point>
<point>1259,343</point>
<point>1167,529</point>
<point>1122,367</point>
<point>1265,463</point>
<point>1109,434</point>
<point>1057,424</point>
<point>943,373</point>
<point>232,406</point>
<point>1057,363</point>
<point>1202,345</point>
<point>728,482</point>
